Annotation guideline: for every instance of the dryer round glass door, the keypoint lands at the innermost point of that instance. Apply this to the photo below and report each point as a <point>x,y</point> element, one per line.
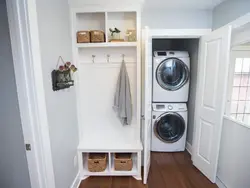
<point>172,74</point>
<point>169,127</point>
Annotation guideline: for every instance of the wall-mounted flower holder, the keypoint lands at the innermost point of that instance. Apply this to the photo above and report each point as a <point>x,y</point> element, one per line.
<point>61,78</point>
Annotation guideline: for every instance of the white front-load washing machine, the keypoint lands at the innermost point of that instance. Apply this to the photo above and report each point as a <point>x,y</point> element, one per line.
<point>169,127</point>
<point>171,76</point>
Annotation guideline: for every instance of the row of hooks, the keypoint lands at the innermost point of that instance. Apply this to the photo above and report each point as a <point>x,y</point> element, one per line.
<point>108,58</point>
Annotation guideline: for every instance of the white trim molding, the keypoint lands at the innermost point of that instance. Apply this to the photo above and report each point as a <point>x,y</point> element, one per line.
<point>241,21</point>
<point>22,17</point>
<point>241,47</point>
<point>77,181</point>
<point>178,33</point>
<point>219,183</point>
<point>189,148</point>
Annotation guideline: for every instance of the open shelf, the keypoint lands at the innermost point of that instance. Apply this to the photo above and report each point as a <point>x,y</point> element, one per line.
<point>110,169</point>
<point>103,21</point>
<point>90,21</point>
<point>85,167</point>
<point>134,170</point>
<point>106,44</point>
<point>121,20</point>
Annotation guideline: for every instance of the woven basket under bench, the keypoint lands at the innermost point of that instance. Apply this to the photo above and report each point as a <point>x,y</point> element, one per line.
<point>123,161</point>
<point>97,162</point>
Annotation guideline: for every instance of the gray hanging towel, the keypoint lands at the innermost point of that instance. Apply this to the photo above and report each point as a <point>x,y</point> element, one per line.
<point>122,101</point>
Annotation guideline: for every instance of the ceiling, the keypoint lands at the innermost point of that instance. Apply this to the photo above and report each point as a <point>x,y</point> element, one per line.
<point>182,4</point>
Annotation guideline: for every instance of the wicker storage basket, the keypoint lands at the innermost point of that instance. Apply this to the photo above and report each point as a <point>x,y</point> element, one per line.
<point>97,162</point>
<point>123,162</point>
<point>97,36</point>
<point>83,37</point>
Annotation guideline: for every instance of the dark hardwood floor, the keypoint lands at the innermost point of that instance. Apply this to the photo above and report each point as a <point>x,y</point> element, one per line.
<point>168,170</point>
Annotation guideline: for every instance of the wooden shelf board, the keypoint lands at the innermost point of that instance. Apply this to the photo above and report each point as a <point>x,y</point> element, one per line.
<point>121,173</point>
<point>106,44</point>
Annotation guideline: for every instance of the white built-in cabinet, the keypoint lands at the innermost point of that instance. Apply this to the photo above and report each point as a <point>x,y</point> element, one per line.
<point>100,131</point>
<point>98,67</point>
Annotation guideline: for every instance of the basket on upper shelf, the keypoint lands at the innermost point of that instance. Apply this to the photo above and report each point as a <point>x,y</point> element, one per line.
<point>94,36</point>
<point>97,36</point>
<point>83,37</point>
<point>123,162</point>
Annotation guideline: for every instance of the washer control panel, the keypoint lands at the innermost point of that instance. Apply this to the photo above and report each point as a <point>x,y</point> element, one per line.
<point>177,54</point>
<point>165,107</point>
<point>170,107</point>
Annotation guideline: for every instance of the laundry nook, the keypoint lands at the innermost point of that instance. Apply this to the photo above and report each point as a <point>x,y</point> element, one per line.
<point>124,94</point>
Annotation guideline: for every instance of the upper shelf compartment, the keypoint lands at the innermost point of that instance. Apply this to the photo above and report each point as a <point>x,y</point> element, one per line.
<point>124,21</point>
<point>90,21</point>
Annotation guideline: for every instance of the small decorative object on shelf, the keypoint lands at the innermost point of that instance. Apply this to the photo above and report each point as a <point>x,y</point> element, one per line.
<point>131,35</point>
<point>123,162</point>
<point>83,37</point>
<point>61,77</point>
<point>97,162</point>
<point>97,36</point>
<point>115,35</point>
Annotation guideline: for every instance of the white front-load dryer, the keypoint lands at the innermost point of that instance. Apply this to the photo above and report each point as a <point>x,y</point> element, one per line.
<point>169,127</point>
<point>171,76</point>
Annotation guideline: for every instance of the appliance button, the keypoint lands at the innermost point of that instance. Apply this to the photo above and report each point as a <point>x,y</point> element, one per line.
<point>170,107</point>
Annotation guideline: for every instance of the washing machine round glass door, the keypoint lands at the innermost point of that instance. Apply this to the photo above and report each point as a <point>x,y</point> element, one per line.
<point>172,74</point>
<point>169,127</point>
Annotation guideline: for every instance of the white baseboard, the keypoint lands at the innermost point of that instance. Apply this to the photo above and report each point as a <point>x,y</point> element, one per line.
<point>76,181</point>
<point>189,148</point>
<point>219,183</point>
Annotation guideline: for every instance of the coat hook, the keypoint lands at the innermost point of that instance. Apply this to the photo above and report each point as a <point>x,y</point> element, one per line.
<point>93,58</point>
<point>108,57</point>
<point>123,57</point>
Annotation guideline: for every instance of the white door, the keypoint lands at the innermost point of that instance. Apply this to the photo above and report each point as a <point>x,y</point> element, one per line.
<point>211,98</point>
<point>147,99</point>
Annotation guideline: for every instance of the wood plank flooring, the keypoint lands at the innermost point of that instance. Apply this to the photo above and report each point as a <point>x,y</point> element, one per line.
<point>168,170</point>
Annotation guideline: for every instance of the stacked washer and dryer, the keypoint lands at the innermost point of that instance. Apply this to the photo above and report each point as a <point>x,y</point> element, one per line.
<point>170,97</point>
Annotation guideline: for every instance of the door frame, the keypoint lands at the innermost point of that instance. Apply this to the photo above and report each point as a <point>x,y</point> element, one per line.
<point>172,33</point>
<point>22,18</point>
<point>178,33</point>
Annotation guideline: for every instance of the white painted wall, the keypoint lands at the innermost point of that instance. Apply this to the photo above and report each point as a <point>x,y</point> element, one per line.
<point>55,40</point>
<point>229,11</point>
<point>158,17</point>
<point>13,163</point>
<point>164,18</point>
<point>234,163</point>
